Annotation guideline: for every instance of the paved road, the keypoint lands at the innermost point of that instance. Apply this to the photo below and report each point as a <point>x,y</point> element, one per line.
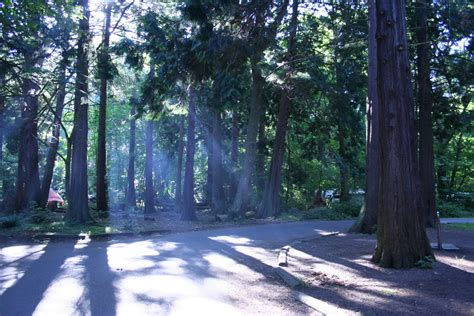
<point>467,220</point>
<point>218,272</point>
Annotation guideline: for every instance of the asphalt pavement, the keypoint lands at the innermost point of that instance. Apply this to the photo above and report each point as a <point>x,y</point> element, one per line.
<point>218,272</point>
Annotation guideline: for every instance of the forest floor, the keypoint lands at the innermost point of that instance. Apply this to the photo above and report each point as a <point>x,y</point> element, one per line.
<point>122,222</point>
<point>337,269</point>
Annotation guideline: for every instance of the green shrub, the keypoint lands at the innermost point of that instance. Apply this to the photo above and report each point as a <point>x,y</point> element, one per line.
<point>323,213</point>
<point>41,216</point>
<point>452,209</point>
<point>9,221</point>
<point>349,209</point>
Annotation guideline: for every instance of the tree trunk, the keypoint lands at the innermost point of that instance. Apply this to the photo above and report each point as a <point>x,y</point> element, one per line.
<point>234,152</point>
<point>367,221</point>
<point>260,160</point>
<point>55,134</point>
<point>131,199</point>
<point>179,187</point>
<point>189,208</point>
<point>425,104</point>
<point>149,190</point>
<point>401,235</point>
<point>2,165</point>
<point>270,205</point>
<point>242,198</point>
<point>343,163</point>
<point>218,196</point>
<point>101,162</point>
<point>67,167</point>
<point>78,210</point>
<point>28,184</point>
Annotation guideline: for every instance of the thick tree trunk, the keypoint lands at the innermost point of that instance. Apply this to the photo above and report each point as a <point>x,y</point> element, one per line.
<point>243,196</point>
<point>218,196</point>
<point>179,187</point>
<point>149,190</point>
<point>367,220</point>
<point>234,152</point>
<point>28,183</point>
<point>208,143</point>
<point>55,133</point>
<point>260,160</point>
<point>131,198</point>
<point>101,159</point>
<point>189,208</point>
<point>425,125</point>
<point>270,205</point>
<point>78,210</point>
<point>2,165</point>
<point>401,235</point>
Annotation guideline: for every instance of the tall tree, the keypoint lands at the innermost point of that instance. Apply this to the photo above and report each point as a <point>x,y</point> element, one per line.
<point>218,196</point>
<point>28,182</point>
<point>55,132</point>
<point>149,190</point>
<point>101,162</point>
<point>260,37</point>
<point>189,208</point>
<point>425,122</point>
<point>234,151</point>
<point>179,169</point>
<point>401,235</point>
<point>270,204</point>
<point>78,207</point>
<point>131,193</point>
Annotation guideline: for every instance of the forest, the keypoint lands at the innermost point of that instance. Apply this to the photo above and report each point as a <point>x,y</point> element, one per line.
<point>240,107</point>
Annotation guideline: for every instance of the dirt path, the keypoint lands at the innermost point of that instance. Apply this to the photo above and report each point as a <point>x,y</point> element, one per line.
<point>337,269</point>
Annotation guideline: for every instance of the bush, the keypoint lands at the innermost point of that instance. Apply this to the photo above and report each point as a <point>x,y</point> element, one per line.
<point>323,213</point>
<point>349,209</point>
<point>452,209</point>
<point>10,221</point>
<point>41,216</point>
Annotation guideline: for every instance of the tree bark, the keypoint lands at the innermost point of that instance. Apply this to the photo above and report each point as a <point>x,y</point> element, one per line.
<point>131,193</point>
<point>189,208</point>
<point>234,152</point>
<point>78,208</point>
<point>149,190</point>
<point>179,187</point>
<point>243,196</point>
<point>55,134</point>
<point>367,220</point>
<point>101,160</point>
<point>28,183</point>
<point>425,104</point>
<point>2,164</point>
<point>343,163</point>
<point>270,205</point>
<point>401,235</point>
<point>260,159</point>
<point>218,196</point>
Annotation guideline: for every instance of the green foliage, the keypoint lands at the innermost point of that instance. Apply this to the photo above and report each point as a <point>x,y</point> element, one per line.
<point>9,221</point>
<point>41,216</point>
<point>323,213</point>
<point>350,208</point>
<point>453,209</point>
<point>425,263</point>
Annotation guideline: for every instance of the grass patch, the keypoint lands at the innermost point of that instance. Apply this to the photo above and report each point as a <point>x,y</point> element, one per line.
<point>464,226</point>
